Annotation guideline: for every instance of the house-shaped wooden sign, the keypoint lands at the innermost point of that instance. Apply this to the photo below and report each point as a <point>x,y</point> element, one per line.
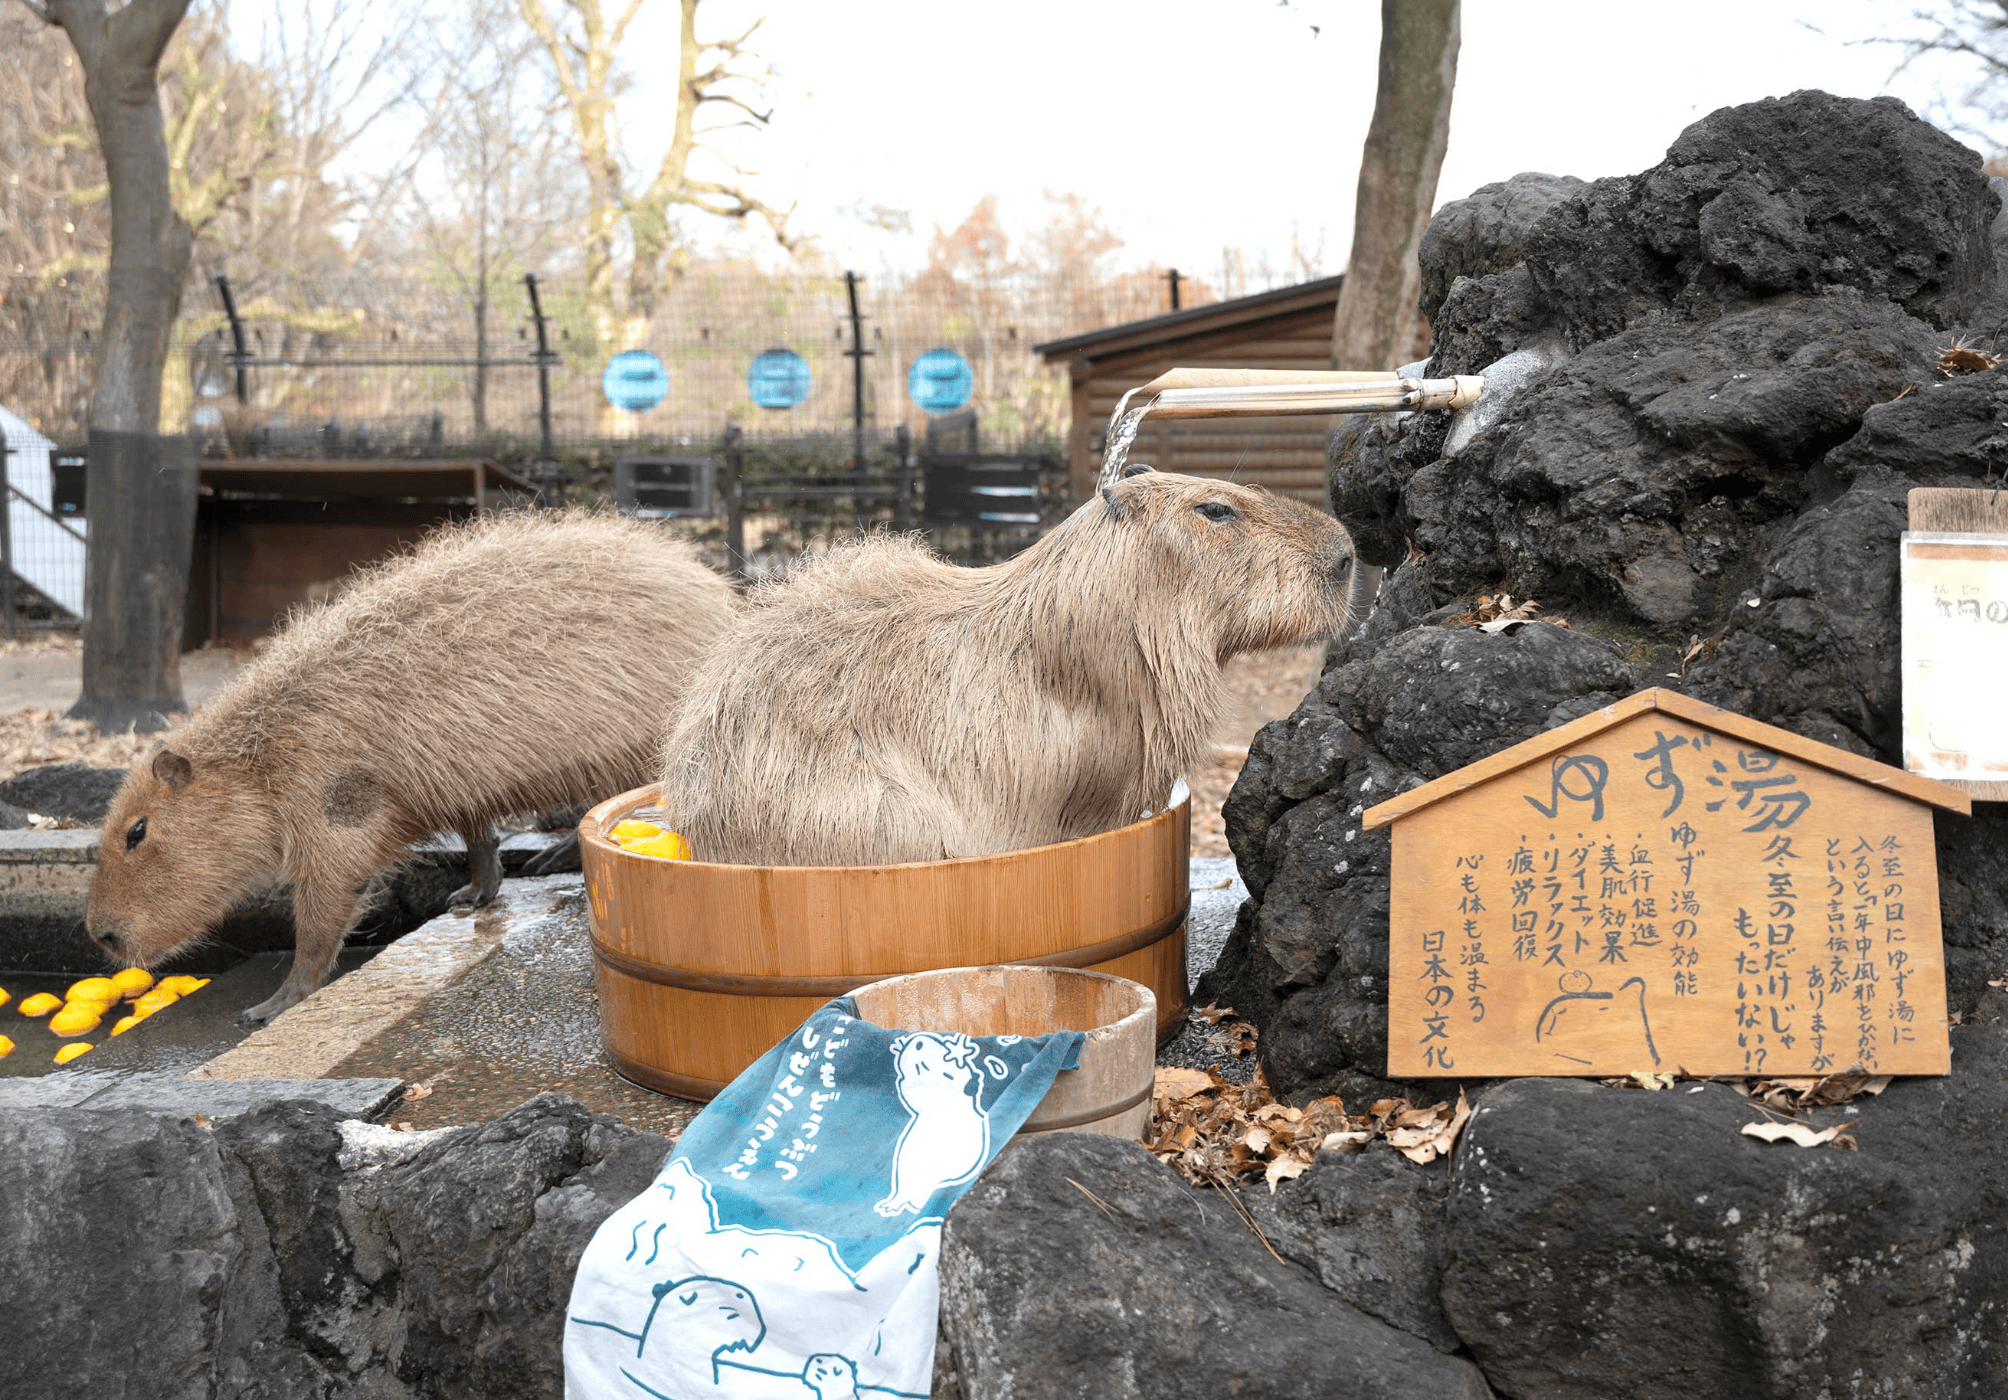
<point>1663,885</point>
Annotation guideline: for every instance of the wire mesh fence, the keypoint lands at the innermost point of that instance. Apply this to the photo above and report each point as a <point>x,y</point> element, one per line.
<point>426,368</point>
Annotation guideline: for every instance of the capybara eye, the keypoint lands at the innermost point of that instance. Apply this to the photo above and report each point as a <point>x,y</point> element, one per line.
<point>1215,510</point>
<point>136,833</point>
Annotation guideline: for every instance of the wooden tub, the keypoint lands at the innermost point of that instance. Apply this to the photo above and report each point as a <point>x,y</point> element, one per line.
<point>702,967</point>
<point>1107,1091</point>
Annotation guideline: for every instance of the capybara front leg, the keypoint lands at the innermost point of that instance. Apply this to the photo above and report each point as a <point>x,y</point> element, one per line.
<point>322,914</point>
<point>484,867</point>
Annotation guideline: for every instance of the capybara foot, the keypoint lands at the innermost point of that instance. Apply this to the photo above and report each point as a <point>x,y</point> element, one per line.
<point>561,859</point>
<point>288,995</point>
<point>472,895</point>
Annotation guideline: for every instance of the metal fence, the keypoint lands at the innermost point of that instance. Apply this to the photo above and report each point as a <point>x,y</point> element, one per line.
<point>420,369</point>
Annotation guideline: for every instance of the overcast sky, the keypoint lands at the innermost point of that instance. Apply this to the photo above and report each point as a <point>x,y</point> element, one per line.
<point>1197,125</point>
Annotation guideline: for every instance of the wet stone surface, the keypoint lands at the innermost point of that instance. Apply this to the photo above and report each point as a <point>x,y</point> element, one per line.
<point>525,1021</point>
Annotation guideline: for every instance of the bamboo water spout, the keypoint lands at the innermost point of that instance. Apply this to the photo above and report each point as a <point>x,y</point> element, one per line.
<point>1236,393</point>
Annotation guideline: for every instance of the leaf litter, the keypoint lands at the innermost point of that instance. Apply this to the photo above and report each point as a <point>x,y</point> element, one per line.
<point>1498,612</point>
<point>1218,1133</point>
<point>1785,1098</point>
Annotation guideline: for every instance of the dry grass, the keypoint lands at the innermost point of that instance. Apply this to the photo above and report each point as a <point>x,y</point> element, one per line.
<point>31,738</point>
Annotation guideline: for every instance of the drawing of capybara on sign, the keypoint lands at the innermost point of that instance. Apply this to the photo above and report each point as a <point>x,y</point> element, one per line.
<point>880,705</point>
<point>511,664</point>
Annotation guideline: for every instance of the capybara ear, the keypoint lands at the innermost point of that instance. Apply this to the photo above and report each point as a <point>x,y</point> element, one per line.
<point>1137,469</point>
<point>1115,507</point>
<point>171,770</point>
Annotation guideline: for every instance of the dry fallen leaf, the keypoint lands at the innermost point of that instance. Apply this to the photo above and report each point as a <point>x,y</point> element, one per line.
<point>1213,1015</point>
<point>1961,358</point>
<point>1801,1134</point>
<point>414,1092</point>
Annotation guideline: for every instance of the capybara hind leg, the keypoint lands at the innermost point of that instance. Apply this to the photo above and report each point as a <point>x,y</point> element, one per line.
<point>484,867</point>
<point>322,913</point>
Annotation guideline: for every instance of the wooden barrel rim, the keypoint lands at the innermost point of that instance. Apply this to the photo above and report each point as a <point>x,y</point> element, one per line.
<point>595,825</point>
<point>1089,1115</point>
<point>739,984</point>
<point>684,1086</point>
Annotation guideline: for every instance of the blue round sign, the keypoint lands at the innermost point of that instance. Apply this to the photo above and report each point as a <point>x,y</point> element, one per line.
<point>940,381</point>
<point>778,379</point>
<point>635,380</point>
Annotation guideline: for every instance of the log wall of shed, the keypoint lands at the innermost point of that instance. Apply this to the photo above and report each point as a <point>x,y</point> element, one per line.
<point>1285,454</point>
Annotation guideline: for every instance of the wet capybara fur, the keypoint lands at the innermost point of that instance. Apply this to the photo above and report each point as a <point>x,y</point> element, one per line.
<point>511,664</point>
<point>880,705</point>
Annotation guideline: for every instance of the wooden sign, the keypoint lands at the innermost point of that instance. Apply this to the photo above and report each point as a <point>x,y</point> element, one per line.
<point>1664,885</point>
<point>1955,639</point>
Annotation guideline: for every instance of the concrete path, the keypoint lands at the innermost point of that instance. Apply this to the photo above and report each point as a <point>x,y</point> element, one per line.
<point>50,679</point>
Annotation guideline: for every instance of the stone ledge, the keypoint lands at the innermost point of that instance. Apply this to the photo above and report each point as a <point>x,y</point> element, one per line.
<point>309,1040</point>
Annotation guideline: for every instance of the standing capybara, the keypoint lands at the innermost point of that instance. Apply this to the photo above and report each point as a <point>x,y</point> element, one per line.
<point>880,705</point>
<point>511,664</point>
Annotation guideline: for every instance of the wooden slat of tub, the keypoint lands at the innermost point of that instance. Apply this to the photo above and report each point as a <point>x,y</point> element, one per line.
<point>891,919</point>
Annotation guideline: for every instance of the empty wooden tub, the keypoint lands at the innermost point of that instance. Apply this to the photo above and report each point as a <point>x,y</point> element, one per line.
<point>703,966</point>
<point>1109,1089</point>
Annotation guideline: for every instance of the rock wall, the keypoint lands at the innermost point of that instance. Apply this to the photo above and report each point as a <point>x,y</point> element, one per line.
<point>156,1257</point>
<point>1709,387</point>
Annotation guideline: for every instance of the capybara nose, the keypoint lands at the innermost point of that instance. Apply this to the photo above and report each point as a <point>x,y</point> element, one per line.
<point>109,939</point>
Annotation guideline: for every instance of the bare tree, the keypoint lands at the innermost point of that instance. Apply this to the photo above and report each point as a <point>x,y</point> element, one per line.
<point>1377,324</point>
<point>1969,40</point>
<point>141,487</point>
<point>496,187</point>
<point>584,46</point>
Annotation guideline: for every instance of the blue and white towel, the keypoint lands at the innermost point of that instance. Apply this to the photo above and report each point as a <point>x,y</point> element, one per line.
<point>789,1248</point>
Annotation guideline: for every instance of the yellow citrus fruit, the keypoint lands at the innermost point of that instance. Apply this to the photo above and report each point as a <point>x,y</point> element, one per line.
<point>633,830</point>
<point>182,985</point>
<point>70,1052</point>
<point>78,1018</point>
<point>126,1023</point>
<point>40,1004</point>
<point>156,999</point>
<point>665,845</point>
<point>97,989</point>
<point>6,1047</point>
<point>4,998</point>
<point>132,981</point>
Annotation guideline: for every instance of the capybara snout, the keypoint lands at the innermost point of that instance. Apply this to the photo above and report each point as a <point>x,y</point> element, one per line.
<point>176,850</point>
<point>1287,566</point>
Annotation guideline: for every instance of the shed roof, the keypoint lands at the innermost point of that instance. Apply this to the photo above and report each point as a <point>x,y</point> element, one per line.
<point>1672,702</point>
<point>1196,320</point>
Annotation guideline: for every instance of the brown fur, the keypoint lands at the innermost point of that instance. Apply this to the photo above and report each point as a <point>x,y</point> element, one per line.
<point>513,664</point>
<point>881,705</point>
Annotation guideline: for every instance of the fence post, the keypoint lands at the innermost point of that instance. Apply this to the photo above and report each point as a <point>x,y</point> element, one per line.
<point>902,447</point>
<point>6,541</point>
<point>238,354</point>
<point>547,470</point>
<point>735,502</point>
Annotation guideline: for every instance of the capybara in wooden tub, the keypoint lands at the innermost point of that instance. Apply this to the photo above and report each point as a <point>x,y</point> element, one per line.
<point>880,705</point>
<point>511,664</point>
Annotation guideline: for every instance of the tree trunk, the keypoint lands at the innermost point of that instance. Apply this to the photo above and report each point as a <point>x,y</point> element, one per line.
<point>141,486</point>
<point>1377,324</point>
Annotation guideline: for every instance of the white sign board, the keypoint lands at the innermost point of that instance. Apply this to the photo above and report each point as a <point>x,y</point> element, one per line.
<point>1955,658</point>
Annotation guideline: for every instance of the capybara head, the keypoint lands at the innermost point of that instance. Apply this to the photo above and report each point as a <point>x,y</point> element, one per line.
<point>1254,568</point>
<point>183,841</point>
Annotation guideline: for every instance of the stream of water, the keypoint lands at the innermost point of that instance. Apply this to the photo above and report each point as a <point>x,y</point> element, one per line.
<point>1117,451</point>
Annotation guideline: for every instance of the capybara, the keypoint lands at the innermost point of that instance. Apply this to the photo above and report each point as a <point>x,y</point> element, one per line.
<point>510,664</point>
<point>880,705</point>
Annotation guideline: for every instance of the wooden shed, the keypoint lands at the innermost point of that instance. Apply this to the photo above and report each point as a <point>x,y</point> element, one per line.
<point>1289,328</point>
<point>270,535</point>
